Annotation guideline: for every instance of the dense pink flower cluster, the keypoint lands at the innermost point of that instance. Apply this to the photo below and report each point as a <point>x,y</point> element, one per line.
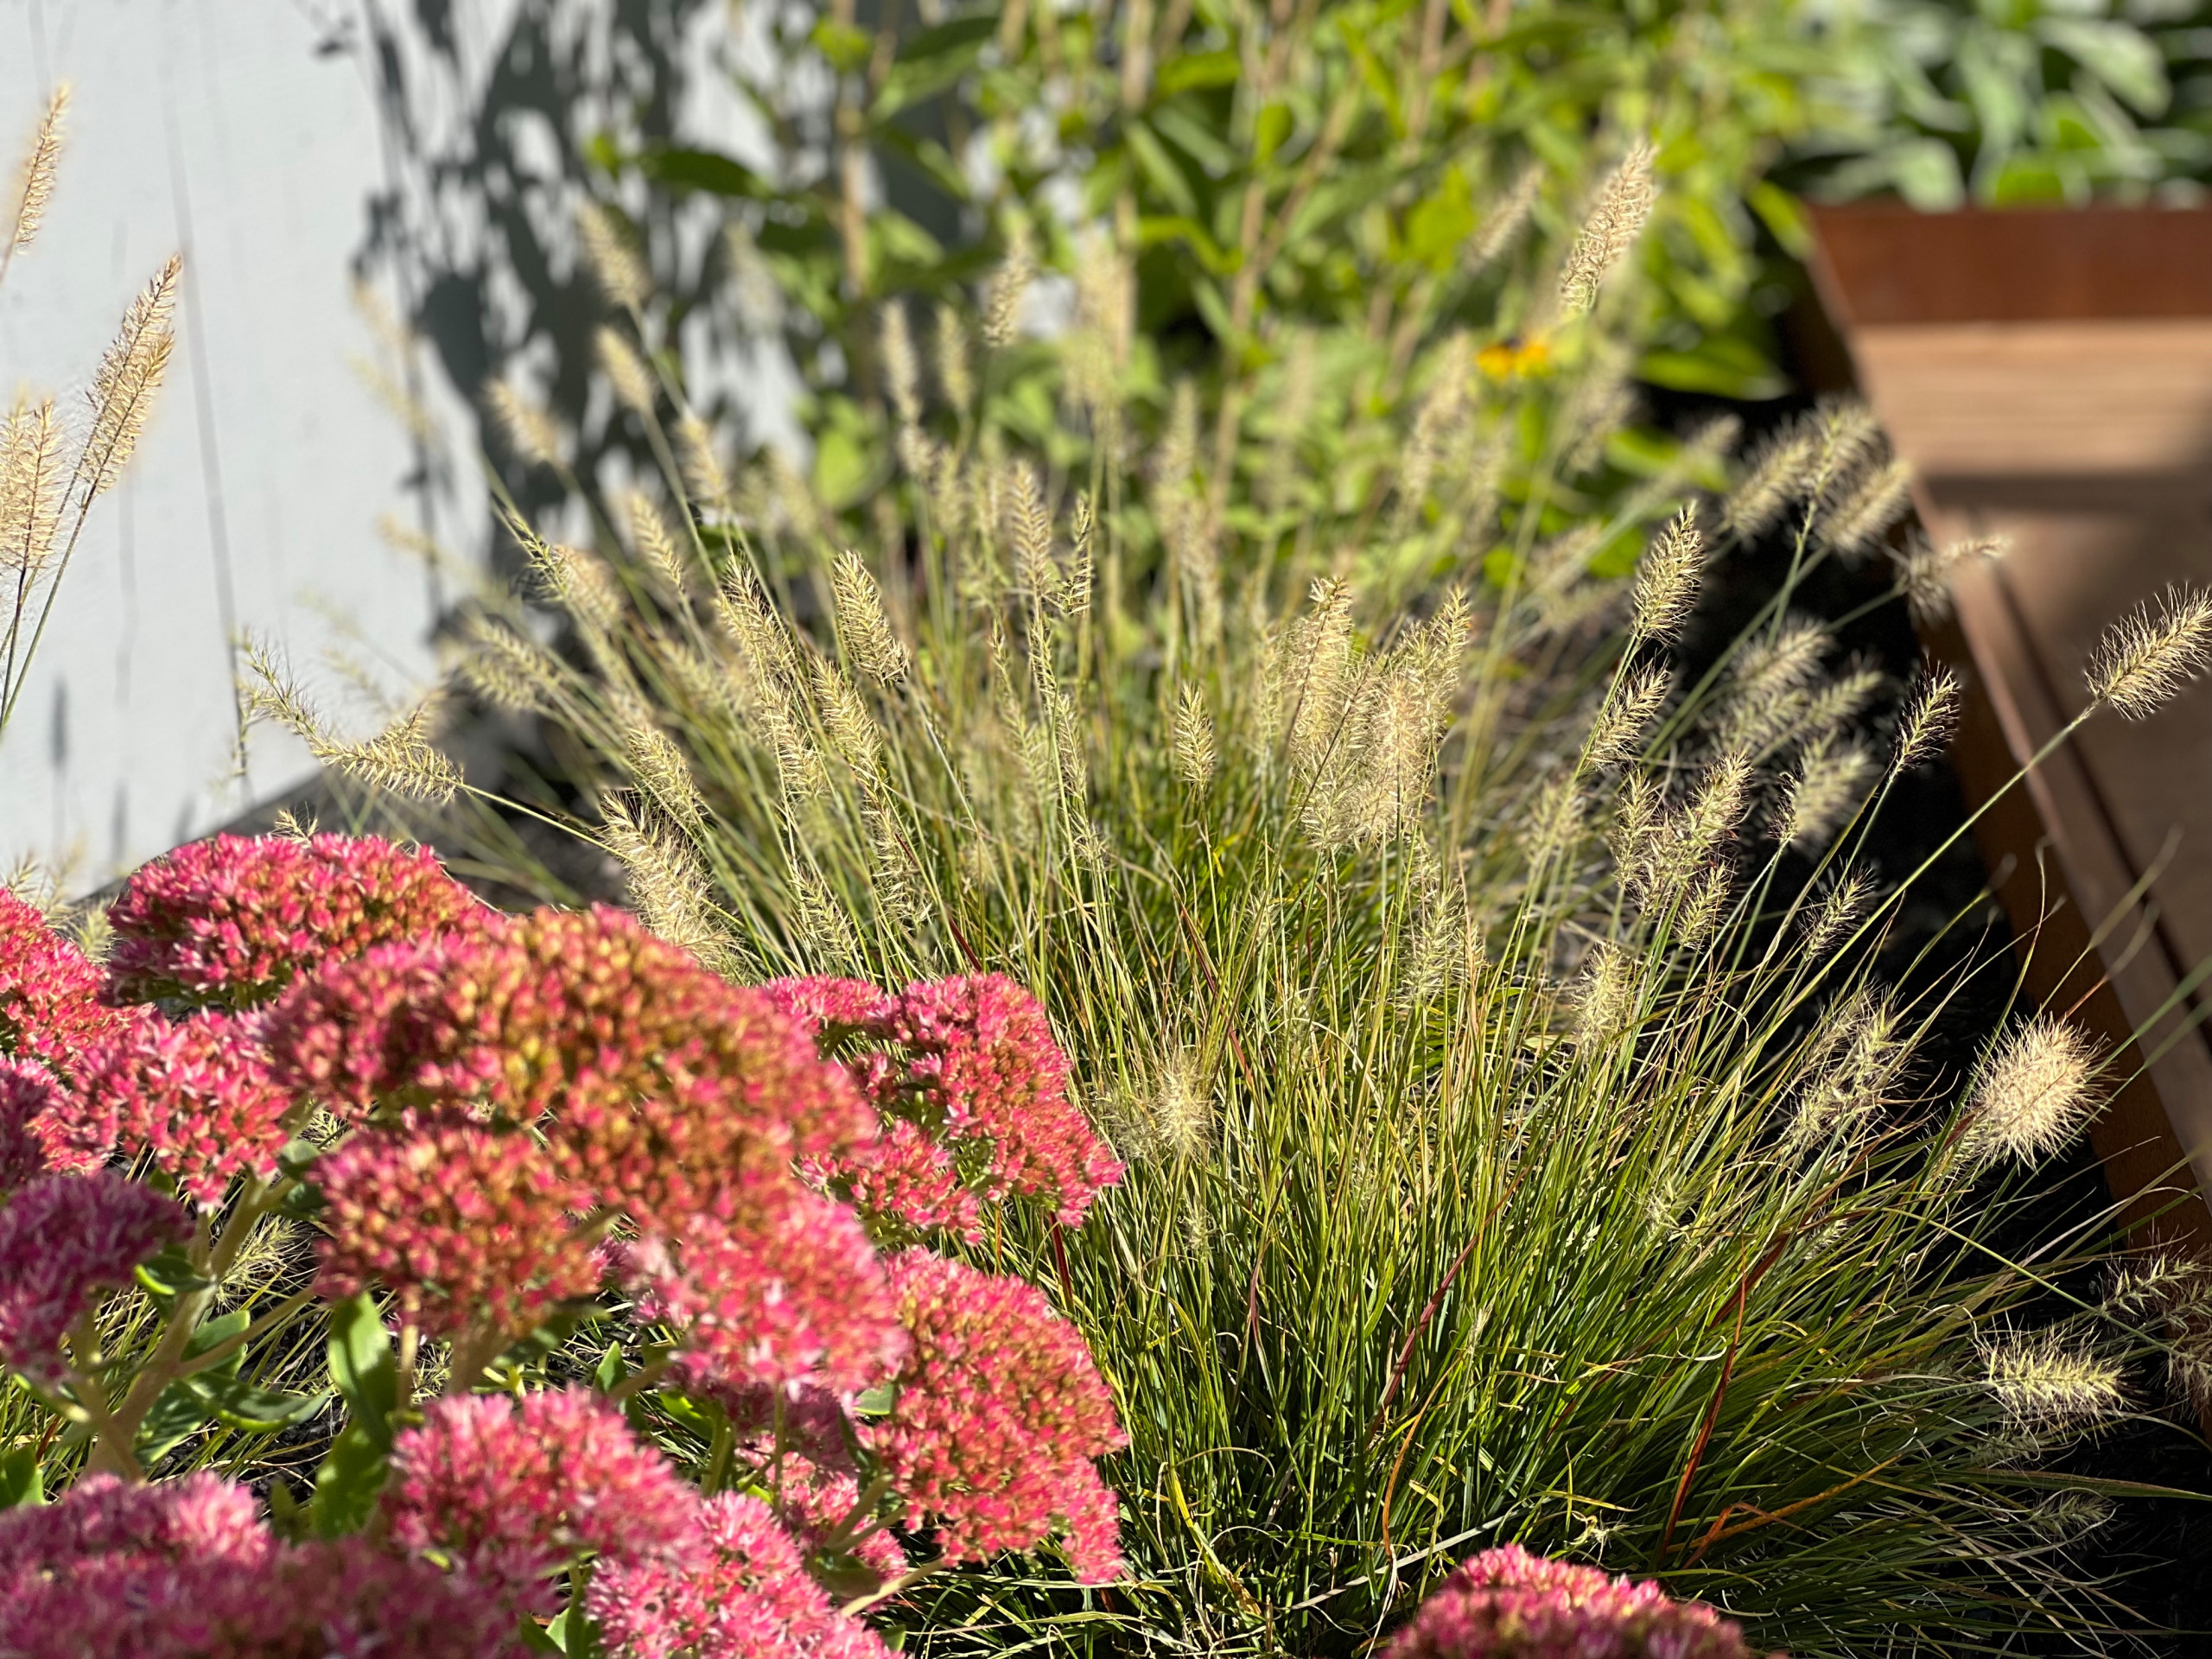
<point>970,1060</point>
<point>510,1494</point>
<point>50,1007</point>
<point>235,918</point>
<point>196,1092</point>
<point>186,1570</point>
<point>44,1128</point>
<point>659,1084</point>
<point>789,1293</point>
<point>1507,1604</point>
<point>818,1504</point>
<point>460,1222</point>
<point>63,1239</point>
<point>1000,1410</point>
<point>740,1591</point>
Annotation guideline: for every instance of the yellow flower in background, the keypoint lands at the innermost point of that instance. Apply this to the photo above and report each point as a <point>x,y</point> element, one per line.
<point>1513,357</point>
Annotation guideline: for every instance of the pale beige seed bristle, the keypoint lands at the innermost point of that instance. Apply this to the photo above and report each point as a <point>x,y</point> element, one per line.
<point>1317,662</point>
<point>1826,789</point>
<point>401,759</point>
<point>1009,287</point>
<point>35,178</point>
<point>863,625</point>
<point>955,378</point>
<point>1630,706</point>
<point>123,389</point>
<point>1925,571</point>
<point>505,669</point>
<point>1838,910</point>
<point>1722,798</point>
<point>1029,531</point>
<point>1863,515</point>
<point>1780,473</point>
<point>660,769</point>
<point>852,730</point>
<point>635,388</point>
<point>667,887</point>
<point>1193,751</point>
<point>1928,717</point>
<point>1782,661</point>
<point>1508,217</point>
<point>704,480</point>
<point>650,539</point>
<point>2153,653</point>
<point>1666,578</point>
<point>2048,1385</point>
<point>2033,1092</point>
<point>1605,997</point>
<point>1707,904</point>
<point>1082,571</point>
<point>613,257</point>
<point>31,478</point>
<point>534,435</point>
<point>1177,457</point>
<point>1854,1059</point>
<point>1181,1107</point>
<point>1616,218</point>
<point>902,372</point>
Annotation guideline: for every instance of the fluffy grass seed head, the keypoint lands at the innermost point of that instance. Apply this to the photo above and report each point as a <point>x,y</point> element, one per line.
<point>2047,1385</point>
<point>33,475</point>
<point>1508,216</point>
<point>1840,907</point>
<point>612,256</point>
<point>1666,578</point>
<point>528,429</point>
<point>704,479</point>
<point>130,374</point>
<point>956,377</point>
<point>650,539</point>
<point>1925,570</point>
<point>35,178</point>
<point>2153,652</point>
<point>1824,792</point>
<point>1928,716</point>
<point>1874,500</point>
<point>1193,753</point>
<point>1781,471</point>
<point>635,387</point>
<point>2034,1090</point>
<point>1009,287</point>
<point>666,886</point>
<point>902,369</point>
<point>863,625</point>
<point>1605,996</point>
<point>1629,708</point>
<point>1616,218</point>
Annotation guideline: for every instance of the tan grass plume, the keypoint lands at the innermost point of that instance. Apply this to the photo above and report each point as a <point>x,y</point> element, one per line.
<point>35,179</point>
<point>2154,650</point>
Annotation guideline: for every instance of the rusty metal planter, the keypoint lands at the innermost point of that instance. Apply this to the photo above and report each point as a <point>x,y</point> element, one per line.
<point>2049,374</point>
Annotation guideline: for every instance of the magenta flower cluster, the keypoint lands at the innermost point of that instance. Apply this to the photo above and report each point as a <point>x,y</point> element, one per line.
<point>1508,1604</point>
<point>232,920</point>
<point>495,1120</point>
<point>963,1066</point>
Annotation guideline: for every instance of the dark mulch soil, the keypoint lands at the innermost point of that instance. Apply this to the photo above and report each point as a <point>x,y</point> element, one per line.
<point>2157,1553</point>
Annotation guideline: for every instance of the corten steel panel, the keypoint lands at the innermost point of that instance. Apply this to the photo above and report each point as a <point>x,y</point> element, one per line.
<point>2049,376</point>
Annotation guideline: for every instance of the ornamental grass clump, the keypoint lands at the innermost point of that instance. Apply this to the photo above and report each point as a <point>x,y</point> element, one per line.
<point>541,1243</point>
<point>1522,1069</point>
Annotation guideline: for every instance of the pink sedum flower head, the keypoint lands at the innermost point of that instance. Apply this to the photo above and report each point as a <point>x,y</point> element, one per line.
<point>788,1294</point>
<point>739,1590</point>
<point>513,1494</point>
<point>660,1086</point>
<point>63,1240</point>
<point>45,1129</point>
<point>50,1007</point>
<point>1507,1604</point>
<point>461,1222</point>
<point>235,919</point>
<point>999,1411</point>
<point>975,1056</point>
<point>188,1570</point>
<point>195,1092</point>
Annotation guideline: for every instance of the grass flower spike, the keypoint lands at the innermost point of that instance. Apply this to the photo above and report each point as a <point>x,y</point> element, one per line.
<point>2151,653</point>
<point>2033,1092</point>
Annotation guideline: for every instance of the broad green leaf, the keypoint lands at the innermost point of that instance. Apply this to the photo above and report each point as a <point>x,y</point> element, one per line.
<point>701,169</point>
<point>846,47</point>
<point>362,1367</point>
<point>2123,57</point>
<point>346,1486</point>
<point>1190,69</point>
<point>22,1483</point>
